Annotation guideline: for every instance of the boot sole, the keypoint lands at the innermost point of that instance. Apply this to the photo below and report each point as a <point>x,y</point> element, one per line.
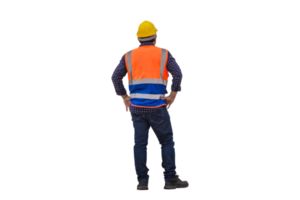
<point>142,189</point>
<point>174,187</point>
<point>169,188</point>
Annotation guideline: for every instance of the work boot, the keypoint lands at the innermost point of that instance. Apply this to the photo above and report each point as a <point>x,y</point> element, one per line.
<point>142,186</point>
<point>176,183</point>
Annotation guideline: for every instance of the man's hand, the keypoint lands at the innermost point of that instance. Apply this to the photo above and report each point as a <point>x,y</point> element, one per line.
<point>170,99</point>
<point>126,100</point>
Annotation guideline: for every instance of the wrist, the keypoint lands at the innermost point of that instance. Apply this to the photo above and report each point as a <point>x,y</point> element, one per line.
<point>173,94</point>
<point>124,96</point>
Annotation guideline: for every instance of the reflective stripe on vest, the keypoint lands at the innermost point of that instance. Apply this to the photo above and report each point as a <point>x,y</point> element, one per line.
<point>148,80</point>
<point>147,96</point>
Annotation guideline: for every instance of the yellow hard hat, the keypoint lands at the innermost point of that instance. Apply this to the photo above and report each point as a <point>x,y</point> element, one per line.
<point>146,29</point>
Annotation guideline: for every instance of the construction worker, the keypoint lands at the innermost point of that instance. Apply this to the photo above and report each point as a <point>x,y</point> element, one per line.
<point>147,67</point>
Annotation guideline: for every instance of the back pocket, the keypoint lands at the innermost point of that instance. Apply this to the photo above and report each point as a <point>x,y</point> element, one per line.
<point>135,117</point>
<point>158,116</point>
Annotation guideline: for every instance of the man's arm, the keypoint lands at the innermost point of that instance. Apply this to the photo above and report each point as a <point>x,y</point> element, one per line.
<point>177,74</point>
<point>117,77</point>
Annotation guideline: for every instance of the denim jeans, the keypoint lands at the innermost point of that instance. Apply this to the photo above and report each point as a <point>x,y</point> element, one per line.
<point>160,122</point>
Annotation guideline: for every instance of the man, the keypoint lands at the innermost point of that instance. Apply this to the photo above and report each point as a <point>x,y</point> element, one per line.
<point>147,68</point>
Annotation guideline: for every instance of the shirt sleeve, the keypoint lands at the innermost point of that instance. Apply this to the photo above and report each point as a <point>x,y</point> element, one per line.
<point>175,71</point>
<point>117,77</point>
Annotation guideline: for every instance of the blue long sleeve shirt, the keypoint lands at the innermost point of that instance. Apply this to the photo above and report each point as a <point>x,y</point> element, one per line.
<point>121,71</point>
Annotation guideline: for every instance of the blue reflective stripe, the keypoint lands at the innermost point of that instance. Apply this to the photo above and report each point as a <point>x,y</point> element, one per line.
<point>148,89</point>
<point>147,102</point>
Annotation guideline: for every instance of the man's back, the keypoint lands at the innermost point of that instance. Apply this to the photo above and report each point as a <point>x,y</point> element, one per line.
<point>121,70</point>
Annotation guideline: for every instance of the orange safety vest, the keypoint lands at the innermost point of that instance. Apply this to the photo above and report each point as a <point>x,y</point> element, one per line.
<point>147,76</point>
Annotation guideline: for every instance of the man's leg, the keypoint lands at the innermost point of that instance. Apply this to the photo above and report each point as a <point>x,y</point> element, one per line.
<point>162,127</point>
<point>140,147</point>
